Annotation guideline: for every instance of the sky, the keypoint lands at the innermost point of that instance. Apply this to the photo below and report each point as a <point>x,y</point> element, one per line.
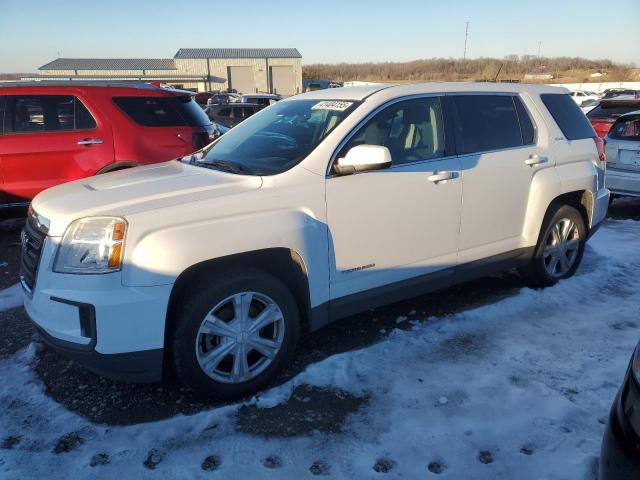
<point>34,32</point>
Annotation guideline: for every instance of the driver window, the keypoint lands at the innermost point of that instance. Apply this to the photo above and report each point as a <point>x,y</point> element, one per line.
<point>412,130</point>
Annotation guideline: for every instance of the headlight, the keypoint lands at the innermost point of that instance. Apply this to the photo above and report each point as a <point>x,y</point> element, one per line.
<point>92,245</point>
<point>635,364</point>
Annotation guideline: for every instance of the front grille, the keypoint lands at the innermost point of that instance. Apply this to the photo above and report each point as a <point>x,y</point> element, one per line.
<point>33,236</point>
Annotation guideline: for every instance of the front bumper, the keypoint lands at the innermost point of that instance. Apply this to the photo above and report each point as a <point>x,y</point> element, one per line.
<point>623,183</point>
<point>137,367</point>
<point>620,455</point>
<point>114,330</point>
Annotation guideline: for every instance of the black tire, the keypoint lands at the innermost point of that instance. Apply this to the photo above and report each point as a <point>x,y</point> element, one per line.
<point>536,274</point>
<point>195,306</point>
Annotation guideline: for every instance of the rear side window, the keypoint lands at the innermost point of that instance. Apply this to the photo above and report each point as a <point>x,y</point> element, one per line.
<point>572,122</point>
<point>49,113</point>
<point>225,112</point>
<point>163,111</point>
<point>485,122</point>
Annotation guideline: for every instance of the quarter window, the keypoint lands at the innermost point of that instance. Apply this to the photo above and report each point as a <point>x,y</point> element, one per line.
<point>412,130</point>
<point>485,122</point>
<point>572,122</point>
<point>527,130</point>
<point>50,113</point>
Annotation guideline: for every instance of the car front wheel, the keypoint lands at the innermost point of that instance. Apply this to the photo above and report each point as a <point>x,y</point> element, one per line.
<point>234,334</point>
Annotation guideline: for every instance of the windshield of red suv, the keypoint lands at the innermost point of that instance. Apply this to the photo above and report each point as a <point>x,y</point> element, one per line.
<point>276,138</point>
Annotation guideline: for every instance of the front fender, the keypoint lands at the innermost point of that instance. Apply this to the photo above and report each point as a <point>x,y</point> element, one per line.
<point>159,256</point>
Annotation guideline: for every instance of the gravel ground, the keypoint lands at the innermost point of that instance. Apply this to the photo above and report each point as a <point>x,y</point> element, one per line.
<point>113,403</point>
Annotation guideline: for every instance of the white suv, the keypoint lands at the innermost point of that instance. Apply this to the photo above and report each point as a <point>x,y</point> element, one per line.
<point>320,206</point>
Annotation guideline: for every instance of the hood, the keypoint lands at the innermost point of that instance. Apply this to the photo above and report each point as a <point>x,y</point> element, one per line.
<point>135,190</point>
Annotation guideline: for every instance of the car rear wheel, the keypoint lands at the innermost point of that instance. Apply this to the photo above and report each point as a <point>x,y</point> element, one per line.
<point>560,248</point>
<point>234,334</point>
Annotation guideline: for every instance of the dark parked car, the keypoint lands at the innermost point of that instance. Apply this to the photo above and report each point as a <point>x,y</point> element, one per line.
<point>231,114</point>
<point>620,456</point>
<point>614,92</point>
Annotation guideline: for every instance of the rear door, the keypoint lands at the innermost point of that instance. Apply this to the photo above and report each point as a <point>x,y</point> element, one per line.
<point>48,140</point>
<point>499,155</point>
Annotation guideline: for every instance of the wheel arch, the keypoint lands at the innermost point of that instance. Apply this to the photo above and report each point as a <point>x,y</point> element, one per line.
<point>581,200</point>
<point>283,263</point>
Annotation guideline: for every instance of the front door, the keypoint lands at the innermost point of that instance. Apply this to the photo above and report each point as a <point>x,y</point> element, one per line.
<point>396,224</point>
<point>48,140</point>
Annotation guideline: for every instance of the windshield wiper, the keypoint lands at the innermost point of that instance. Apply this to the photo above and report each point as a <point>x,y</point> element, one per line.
<point>221,165</point>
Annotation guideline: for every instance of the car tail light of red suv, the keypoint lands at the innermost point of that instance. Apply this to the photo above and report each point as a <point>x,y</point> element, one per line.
<point>57,131</point>
<point>602,125</point>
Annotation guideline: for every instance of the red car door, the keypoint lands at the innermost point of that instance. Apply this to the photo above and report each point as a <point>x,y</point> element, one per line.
<point>48,140</point>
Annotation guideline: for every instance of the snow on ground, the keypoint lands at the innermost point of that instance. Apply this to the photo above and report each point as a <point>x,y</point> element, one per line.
<point>11,297</point>
<point>517,389</point>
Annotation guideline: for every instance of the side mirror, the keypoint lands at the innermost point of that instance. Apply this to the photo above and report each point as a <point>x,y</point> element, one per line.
<point>362,158</point>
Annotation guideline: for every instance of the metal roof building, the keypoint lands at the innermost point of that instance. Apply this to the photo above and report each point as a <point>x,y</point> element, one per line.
<point>110,64</point>
<point>247,70</point>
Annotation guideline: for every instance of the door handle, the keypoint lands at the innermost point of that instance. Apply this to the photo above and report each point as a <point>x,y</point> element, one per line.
<point>442,176</point>
<point>90,141</point>
<point>535,160</point>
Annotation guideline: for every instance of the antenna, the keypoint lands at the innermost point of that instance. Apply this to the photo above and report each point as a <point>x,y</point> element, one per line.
<point>466,35</point>
<point>498,74</point>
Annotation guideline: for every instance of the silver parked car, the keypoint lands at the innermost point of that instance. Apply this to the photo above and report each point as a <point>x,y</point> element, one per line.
<point>623,155</point>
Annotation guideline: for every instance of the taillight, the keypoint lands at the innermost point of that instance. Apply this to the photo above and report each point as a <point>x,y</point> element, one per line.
<point>600,144</point>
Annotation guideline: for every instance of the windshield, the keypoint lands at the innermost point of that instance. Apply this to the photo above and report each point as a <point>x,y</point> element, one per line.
<point>276,138</point>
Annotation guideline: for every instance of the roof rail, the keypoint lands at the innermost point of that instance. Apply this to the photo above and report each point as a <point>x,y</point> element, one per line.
<point>82,83</point>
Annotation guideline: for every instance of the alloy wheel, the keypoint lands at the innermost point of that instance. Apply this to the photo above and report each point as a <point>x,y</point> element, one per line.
<point>240,337</point>
<point>561,247</point>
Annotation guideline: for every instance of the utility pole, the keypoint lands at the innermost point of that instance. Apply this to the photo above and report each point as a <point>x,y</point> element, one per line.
<point>466,35</point>
<point>539,48</point>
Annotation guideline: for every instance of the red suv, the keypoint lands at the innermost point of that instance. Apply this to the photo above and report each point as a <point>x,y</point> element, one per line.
<point>54,132</point>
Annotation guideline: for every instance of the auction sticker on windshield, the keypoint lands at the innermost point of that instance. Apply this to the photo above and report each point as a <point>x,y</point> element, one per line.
<point>338,105</point>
